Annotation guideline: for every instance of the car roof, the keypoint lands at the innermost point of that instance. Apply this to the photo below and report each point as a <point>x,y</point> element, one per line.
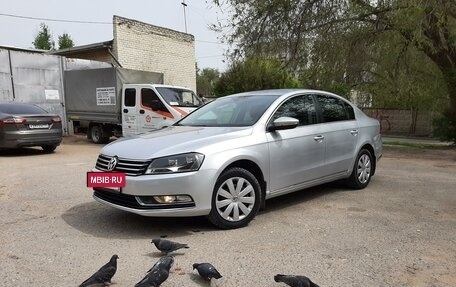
<point>281,92</point>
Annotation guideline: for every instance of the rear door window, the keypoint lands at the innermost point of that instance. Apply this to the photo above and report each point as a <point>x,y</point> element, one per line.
<point>333,109</point>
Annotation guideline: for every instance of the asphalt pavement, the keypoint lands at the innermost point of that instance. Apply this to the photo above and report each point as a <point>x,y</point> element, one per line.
<point>399,231</point>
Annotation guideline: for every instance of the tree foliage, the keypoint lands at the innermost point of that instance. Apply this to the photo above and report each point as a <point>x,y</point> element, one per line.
<point>254,74</point>
<point>403,52</point>
<point>43,40</point>
<point>206,81</point>
<point>65,41</point>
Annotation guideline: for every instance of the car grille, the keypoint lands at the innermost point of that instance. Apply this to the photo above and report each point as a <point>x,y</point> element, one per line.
<point>130,201</point>
<point>128,166</point>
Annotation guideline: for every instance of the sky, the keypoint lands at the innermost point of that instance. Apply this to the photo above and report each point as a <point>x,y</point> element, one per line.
<point>200,14</point>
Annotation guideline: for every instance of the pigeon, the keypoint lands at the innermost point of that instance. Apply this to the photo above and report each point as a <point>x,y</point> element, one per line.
<point>165,260</point>
<point>103,276</point>
<point>167,246</point>
<point>207,271</point>
<point>294,281</point>
<point>158,273</point>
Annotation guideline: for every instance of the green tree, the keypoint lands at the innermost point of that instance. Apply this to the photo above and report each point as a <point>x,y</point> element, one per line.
<point>254,74</point>
<point>206,81</point>
<point>342,44</point>
<point>43,40</point>
<point>65,41</point>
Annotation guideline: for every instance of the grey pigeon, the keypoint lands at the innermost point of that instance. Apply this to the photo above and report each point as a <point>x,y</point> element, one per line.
<point>167,246</point>
<point>103,276</point>
<point>294,281</point>
<point>163,261</point>
<point>158,273</point>
<point>207,270</point>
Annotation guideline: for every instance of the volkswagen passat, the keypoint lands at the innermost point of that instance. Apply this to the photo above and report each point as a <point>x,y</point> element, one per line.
<point>226,158</point>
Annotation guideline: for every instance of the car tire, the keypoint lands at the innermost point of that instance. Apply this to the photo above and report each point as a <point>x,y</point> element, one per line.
<point>236,199</point>
<point>49,148</point>
<point>362,170</point>
<point>96,134</point>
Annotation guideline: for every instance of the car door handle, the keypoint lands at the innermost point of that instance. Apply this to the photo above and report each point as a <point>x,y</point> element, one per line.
<point>141,112</point>
<point>354,132</point>
<point>125,111</point>
<point>319,138</point>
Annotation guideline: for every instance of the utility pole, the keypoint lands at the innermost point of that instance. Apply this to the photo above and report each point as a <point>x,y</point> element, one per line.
<point>185,16</point>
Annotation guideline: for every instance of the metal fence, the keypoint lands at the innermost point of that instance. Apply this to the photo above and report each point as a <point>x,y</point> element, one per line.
<point>36,78</point>
<point>403,122</point>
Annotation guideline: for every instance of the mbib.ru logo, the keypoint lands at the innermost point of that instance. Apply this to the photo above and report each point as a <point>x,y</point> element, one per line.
<point>106,179</point>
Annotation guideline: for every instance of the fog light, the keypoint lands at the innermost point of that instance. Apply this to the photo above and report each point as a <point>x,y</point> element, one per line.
<point>165,198</point>
<point>184,198</point>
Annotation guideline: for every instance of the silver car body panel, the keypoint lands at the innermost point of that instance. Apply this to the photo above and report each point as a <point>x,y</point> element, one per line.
<point>289,160</point>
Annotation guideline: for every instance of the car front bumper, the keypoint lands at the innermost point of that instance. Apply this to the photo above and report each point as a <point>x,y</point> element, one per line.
<point>198,185</point>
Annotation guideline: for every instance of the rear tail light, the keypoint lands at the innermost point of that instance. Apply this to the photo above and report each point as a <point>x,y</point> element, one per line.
<point>12,121</point>
<point>56,119</point>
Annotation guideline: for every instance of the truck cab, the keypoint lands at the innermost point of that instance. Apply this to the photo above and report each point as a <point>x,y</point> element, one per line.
<point>148,107</point>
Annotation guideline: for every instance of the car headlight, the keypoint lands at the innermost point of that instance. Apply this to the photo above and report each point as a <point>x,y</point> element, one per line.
<point>176,163</point>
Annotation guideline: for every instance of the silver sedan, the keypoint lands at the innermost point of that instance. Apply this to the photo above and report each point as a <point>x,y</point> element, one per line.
<point>226,158</point>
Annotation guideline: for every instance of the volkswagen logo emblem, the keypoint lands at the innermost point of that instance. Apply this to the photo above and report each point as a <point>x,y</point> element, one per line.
<point>112,163</point>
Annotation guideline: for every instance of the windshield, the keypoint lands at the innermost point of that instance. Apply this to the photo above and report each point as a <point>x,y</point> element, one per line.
<point>230,112</point>
<point>179,97</point>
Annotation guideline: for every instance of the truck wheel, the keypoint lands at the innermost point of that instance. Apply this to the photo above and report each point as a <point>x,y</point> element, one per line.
<point>96,133</point>
<point>236,199</point>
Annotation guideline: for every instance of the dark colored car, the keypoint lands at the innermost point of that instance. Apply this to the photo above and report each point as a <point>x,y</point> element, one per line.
<point>26,125</point>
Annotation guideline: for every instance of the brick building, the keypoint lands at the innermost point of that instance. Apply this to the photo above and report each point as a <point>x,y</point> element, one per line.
<point>141,46</point>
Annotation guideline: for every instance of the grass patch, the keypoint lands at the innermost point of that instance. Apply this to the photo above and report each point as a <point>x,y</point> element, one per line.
<point>418,145</point>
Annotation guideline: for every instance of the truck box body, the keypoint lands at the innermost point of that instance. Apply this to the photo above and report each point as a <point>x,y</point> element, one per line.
<point>117,102</point>
<point>96,94</point>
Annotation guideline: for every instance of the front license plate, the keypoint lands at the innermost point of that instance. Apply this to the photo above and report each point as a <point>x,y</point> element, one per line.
<point>109,180</point>
<point>46,126</point>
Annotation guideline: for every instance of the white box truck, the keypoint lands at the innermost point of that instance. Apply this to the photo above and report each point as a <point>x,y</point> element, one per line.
<point>119,102</point>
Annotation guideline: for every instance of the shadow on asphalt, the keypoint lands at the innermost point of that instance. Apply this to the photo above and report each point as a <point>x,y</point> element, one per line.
<point>23,152</point>
<point>101,221</point>
<point>199,280</point>
<point>301,196</point>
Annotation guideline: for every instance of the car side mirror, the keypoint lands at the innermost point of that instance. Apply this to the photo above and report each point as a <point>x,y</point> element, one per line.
<point>283,123</point>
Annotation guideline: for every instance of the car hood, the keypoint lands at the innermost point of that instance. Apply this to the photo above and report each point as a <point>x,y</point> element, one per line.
<point>172,140</point>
